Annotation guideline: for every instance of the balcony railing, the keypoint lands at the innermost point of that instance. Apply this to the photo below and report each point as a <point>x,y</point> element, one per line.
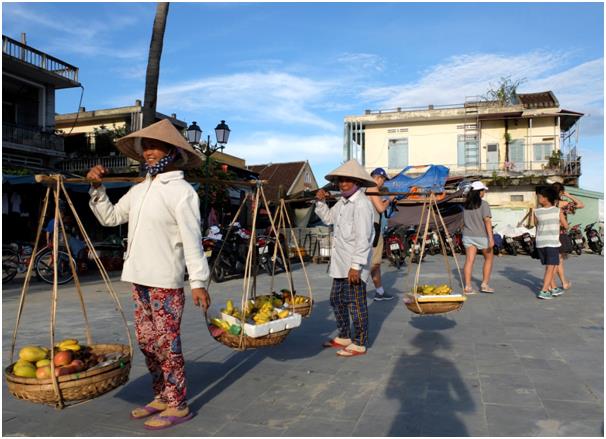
<point>81,165</point>
<point>38,59</point>
<point>30,136</point>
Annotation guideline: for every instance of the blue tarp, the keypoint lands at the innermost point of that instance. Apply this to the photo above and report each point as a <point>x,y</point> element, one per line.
<point>433,180</point>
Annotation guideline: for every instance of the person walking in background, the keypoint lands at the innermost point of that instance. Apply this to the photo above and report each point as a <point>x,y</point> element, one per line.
<point>477,236</point>
<point>568,207</point>
<point>352,218</point>
<point>380,204</point>
<point>548,219</point>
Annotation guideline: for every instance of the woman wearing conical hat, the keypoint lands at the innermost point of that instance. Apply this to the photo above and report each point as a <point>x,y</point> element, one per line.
<point>352,219</point>
<point>164,237</point>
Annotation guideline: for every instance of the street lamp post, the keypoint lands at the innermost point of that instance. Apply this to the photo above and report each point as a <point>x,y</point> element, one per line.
<point>194,134</point>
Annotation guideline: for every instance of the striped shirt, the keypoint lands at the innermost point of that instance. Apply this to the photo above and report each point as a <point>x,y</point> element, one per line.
<point>548,227</point>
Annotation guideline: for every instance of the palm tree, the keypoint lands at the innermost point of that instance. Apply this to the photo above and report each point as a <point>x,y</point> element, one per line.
<point>153,65</point>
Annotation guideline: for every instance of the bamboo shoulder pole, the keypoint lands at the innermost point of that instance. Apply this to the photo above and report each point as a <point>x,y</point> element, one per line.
<point>49,179</point>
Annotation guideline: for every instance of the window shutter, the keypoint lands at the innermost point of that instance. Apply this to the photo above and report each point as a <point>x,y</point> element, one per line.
<point>398,153</point>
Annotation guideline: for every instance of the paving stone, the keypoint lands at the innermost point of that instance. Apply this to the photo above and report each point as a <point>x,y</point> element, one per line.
<point>314,426</point>
<point>508,389</point>
<point>237,428</point>
<point>558,385</point>
<point>401,424</point>
<point>473,372</point>
<point>513,420</point>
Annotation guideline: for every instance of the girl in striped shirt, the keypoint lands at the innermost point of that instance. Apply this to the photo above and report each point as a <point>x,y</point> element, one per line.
<point>548,219</point>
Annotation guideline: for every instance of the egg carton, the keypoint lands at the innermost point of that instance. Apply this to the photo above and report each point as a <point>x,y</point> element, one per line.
<point>254,331</point>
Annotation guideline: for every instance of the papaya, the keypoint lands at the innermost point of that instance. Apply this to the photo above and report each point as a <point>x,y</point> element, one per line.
<point>25,371</point>
<point>32,353</point>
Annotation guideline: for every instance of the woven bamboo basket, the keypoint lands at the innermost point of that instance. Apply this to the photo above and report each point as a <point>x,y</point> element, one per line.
<point>77,386</point>
<point>433,307</point>
<point>242,343</point>
<point>304,308</point>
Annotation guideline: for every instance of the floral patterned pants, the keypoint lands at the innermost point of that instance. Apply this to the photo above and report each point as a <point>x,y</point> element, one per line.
<point>158,314</point>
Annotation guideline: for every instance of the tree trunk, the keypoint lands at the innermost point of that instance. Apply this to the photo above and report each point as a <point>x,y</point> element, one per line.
<point>153,65</point>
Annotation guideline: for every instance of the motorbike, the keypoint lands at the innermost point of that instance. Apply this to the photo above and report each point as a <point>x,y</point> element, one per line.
<point>394,247</point>
<point>594,240</point>
<point>525,242</point>
<point>509,245</point>
<point>578,240</point>
<point>432,244</point>
<point>227,254</point>
<point>457,242</point>
<point>413,245</point>
<point>266,246</point>
<point>498,242</point>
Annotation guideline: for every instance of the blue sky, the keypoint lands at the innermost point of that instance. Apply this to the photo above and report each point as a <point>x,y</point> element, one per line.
<point>284,75</point>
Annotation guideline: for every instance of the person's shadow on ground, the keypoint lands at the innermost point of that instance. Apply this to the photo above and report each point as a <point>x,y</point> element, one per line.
<point>524,278</point>
<point>429,391</point>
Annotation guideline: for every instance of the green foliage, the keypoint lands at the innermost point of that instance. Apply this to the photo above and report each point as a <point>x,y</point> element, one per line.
<point>16,170</point>
<point>555,159</point>
<point>218,193</point>
<point>505,92</point>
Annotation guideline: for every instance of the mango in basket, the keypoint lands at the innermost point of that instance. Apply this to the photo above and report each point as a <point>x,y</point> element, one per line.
<point>24,370</point>
<point>32,353</point>
<point>42,363</point>
<point>63,358</point>
<point>43,372</point>
<point>283,314</point>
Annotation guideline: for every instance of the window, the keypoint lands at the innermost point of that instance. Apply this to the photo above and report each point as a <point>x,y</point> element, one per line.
<point>542,151</point>
<point>516,153</point>
<point>516,197</point>
<point>468,151</point>
<point>397,153</point>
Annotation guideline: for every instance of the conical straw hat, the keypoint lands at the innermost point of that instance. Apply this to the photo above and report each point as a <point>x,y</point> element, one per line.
<point>163,131</point>
<point>353,170</point>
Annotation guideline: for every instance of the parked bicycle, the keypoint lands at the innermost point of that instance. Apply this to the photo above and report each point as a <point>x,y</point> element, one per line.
<point>16,258</point>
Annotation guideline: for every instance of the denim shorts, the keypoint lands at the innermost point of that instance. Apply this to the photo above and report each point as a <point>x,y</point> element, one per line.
<point>549,255</point>
<point>471,241</point>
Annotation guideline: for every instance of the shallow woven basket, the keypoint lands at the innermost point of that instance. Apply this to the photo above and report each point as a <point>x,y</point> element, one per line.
<point>233,341</point>
<point>303,308</point>
<point>77,386</point>
<point>433,307</point>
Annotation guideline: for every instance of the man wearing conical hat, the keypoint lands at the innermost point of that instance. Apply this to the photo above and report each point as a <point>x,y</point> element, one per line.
<point>164,237</point>
<point>352,220</point>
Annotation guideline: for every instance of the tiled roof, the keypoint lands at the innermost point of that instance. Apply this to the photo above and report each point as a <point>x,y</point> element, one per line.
<point>277,174</point>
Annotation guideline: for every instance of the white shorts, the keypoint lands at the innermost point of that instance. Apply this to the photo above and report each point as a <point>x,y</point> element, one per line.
<point>471,241</point>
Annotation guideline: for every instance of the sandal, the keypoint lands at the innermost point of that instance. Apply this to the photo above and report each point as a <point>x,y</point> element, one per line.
<point>333,344</point>
<point>350,352</point>
<point>569,285</point>
<point>169,421</point>
<point>469,291</point>
<point>148,410</point>
<point>486,289</point>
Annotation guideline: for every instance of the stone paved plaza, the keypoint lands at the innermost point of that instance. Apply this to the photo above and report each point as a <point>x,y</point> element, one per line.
<point>505,365</point>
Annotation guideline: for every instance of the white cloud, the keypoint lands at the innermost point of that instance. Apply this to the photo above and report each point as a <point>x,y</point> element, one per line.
<point>362,62</point>
<point>461,76</point>
<point>265,147</point>
<point>264,97</point>
<point>578,88</point>
<point>69,34</point>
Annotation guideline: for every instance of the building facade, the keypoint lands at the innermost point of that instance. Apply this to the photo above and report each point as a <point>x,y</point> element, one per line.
<point>29,80</point>
<point>511,147</point>
<point>477,138</point>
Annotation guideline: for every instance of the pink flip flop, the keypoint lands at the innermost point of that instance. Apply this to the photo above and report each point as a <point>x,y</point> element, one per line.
<point>150,410</point>
<point>172,421</point>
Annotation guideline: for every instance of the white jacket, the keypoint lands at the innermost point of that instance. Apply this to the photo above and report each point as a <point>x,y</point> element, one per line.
<point>163,218</point>
<point>353,234</point>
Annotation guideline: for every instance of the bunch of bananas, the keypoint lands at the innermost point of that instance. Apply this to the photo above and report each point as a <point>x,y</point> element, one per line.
<point>221,324</point>
<point>434,289</point>
<point>230,310</point>
<point>298,300</point>
<point>265,314</point>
